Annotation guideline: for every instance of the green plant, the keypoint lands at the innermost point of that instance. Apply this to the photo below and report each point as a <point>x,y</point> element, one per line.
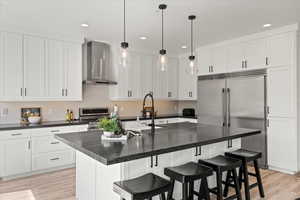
<point>109,125</point>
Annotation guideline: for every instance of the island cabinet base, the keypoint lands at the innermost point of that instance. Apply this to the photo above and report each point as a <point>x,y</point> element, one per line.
<point>94,180</point>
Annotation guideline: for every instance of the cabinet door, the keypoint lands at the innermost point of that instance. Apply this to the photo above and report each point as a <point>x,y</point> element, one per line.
<point>280,49</point>
<point>55,69</point>
<point>136,168</point>
<point>255,53</point>
<point>146,74</point>
<point>11,66</point>
<point>280,92</point>
<point>73,71</point>
<point>204,61</point>
<point>235,57</point>
<point>17,156</point>
<point>34,68</point>
<point>187,82</point>
<point>133,71</point>
<point>219,59</point>
<point>160,82</point>
<point>172,78</point>
<point>282,144</point>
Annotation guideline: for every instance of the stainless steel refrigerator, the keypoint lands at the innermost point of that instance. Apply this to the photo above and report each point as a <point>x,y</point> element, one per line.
<point>237,100</point>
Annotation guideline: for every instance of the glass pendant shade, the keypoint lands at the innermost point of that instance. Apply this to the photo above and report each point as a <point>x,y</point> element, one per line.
<point>192,69</point>
<point>163,62</point>
<point>124,57</point>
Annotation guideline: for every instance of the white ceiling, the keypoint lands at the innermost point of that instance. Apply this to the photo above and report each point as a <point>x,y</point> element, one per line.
<point>216,19</point>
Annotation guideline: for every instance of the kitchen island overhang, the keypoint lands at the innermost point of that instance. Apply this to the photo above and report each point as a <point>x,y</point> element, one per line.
<point>165,140</point>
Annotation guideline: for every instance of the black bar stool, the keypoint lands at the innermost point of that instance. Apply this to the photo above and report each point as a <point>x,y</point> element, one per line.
<point>187,174</point>
<point>221,164</point>
<point>246,156</point>
<point>141,188</point>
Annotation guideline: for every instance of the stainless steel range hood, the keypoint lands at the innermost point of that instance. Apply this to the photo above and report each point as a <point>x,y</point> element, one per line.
<point>97,63</point>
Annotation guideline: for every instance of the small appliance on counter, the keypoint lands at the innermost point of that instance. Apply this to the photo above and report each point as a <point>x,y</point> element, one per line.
<point>92,115</point>
<point>31,115</point>
<point>188,112</point>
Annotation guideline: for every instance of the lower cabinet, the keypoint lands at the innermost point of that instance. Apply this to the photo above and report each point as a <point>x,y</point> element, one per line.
<point>282,144</point>
<point>16,156</point>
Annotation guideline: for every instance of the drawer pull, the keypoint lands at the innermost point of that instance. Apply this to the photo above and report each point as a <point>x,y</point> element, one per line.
<point>53,159</point>
<point>16,134</point>
<point>54,143</point>
<point>55,131</point>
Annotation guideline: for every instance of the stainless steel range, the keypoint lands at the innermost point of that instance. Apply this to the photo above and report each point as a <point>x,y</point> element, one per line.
<point>92,115</point>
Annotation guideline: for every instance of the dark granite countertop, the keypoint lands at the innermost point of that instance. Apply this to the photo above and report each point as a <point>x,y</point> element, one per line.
<point>7,127</point>
<point>17,126</point>
<point>170,138</point>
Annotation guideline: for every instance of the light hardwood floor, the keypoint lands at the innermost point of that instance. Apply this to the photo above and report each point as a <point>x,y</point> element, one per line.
<point>61,186</point>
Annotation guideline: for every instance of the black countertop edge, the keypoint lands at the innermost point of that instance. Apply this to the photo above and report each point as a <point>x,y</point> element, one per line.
<point>136,156</point>
<point>48,124</point>
<point>133,118</point>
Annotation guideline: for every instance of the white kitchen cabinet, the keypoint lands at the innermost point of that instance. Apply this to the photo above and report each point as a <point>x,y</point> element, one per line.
<point>282,144</point>
<point>146,73</point>
<point>280,49</point>
<point>136,168</point>
<point>11,66</point>
<point>17,156</point>
<point>187,82</point>
<point>72,58</point>
<point>203,61</point>
<point>34,68</point>
<point>55,69</point>
<point>235,57</point>
<point>280,92</point>
<point>172,72</point>
<point>160,81</point>
<point>255,53</point>
<point>46,144</point>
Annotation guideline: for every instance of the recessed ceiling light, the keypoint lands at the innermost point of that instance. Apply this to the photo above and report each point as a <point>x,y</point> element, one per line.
<point>184,47</point>
<point>143,38</point>
<point>84,25</point>
<point>267,25</point>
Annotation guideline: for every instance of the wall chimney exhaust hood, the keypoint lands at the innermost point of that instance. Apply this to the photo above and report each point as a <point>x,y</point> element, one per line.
<point>97,63</point>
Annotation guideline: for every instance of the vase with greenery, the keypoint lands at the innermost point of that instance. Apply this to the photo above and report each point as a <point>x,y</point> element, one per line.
<point>109,126</point>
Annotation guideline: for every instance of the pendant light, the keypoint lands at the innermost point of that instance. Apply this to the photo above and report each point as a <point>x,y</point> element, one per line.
<point>192,68</point>
<point>162,52</point>
<point>124,44</point>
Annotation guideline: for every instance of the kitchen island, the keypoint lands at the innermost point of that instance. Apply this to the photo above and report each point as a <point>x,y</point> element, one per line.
<point>99,163</point>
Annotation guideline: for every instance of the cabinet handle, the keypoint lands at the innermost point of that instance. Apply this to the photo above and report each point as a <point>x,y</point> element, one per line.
<point>268,123</point>
<point>151,163</point>
<point>229,143</point>
<point>191,94</point>
<point>21,92</point>
<point>55,131</point>
<point>16,134</point>
<point>243,65</point>
<point>267,61</point>
<point>208,68</point>
<point>54,143</point>
<point>156,161</point>
<point>212,68</point>
<point>29,144</point>
<point>66,92</point>
<point>25,92</point>
<point>54,159</point>
<point>62,92</point>
<point>268,109</point>
<point>246,64</point>
<point>128,93</point>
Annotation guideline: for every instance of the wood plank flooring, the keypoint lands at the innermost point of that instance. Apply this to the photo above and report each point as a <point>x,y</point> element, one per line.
<point>61,186</point>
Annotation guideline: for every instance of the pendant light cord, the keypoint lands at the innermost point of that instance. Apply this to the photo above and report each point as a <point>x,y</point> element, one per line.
<point>124,20</point>
<point>162,28</point>
<point>192,38</point>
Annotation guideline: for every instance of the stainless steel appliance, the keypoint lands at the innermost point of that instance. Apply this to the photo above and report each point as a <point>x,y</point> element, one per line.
<point>97,63</point>
<point>236,100</point>
<point>92,115</point>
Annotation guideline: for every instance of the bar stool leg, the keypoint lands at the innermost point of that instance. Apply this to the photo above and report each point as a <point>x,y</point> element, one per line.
<point>191,188</point>
<point>184,191</point>
<point>219,185</point>
<point>226,189</point>
<point>240,176</point>
<point>170,193</point>
<point>162,196</point>
<point>236,183</point>
<point>246,180</point>
<point>258,177</point>
<point>204,192</point>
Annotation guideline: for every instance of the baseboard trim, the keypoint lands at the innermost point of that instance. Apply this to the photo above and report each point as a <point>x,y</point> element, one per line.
<point>282,170</point>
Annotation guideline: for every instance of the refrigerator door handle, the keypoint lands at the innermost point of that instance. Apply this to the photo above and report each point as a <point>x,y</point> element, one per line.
<point>228,108</point>
<point>224,106</point>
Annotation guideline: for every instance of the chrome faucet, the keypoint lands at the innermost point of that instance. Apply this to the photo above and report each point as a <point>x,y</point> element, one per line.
<point>150,95</point>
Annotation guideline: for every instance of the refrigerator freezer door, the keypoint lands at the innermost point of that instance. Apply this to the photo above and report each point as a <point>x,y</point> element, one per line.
<point>247,110</point>
<point>211,101</point>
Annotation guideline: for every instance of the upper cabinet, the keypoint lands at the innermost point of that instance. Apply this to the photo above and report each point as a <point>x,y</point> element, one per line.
<point>280,49</point>
<point>146,74</point>
<point>11,67</point>
<point>34,68</point>
<point>38,69</point>
<point>212,60</point>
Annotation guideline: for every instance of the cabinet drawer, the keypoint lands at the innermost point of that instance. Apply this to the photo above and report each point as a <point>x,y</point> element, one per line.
<point>16,134</point>
<point>47,144</point>
<point>58,130</point>
<point>51,160</point>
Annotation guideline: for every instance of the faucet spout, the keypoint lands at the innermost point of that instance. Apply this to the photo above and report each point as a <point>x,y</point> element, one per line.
<point>150,95</point>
